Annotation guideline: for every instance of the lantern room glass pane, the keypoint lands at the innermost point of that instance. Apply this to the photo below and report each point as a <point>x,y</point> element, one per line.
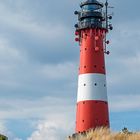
<point>90,7</point>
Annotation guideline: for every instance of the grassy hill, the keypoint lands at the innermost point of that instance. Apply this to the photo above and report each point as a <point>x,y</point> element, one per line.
<point>105,134</point>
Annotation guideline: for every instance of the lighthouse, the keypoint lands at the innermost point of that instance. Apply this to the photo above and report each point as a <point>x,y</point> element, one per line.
<point>91,29</point>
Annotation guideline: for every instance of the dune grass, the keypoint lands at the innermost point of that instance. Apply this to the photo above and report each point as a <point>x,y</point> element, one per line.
<point>105,134</point>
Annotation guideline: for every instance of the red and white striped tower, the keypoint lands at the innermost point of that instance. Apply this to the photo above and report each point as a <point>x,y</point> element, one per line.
<point>92,103</point>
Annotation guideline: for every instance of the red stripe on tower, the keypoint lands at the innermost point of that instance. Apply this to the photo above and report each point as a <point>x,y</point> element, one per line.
<point>92,103</point>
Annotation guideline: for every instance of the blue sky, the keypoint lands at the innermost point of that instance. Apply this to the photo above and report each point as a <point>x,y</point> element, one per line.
<point>39,68</point>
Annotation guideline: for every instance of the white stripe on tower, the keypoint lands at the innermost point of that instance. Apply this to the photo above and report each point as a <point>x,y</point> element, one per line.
<point>92,87</point>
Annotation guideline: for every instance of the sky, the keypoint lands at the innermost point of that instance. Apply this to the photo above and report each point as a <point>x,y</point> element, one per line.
<point>39,68</point>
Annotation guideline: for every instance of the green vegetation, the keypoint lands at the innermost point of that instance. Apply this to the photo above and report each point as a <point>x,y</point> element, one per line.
<point>2,137</point>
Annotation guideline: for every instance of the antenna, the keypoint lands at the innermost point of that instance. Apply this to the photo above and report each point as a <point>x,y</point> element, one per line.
<point>108,16</point>
<point>106,7</point>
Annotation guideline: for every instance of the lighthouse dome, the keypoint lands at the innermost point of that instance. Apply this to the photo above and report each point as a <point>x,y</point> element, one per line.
<point>91,5</point>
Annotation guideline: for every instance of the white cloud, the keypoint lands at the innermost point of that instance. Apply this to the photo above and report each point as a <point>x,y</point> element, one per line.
<point>22,21</point>
<point>26,109</point>
<point>58,71</point>
<point>10,59</point>
<point>123,103</point>
<point>57,129</point>
<point>124,62</point>
<point>9,55</point>
<point>58,114</point>
<point>125,72</point>
<point>2,127</point>
<point>47,131</point>
<point>125,69</point>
